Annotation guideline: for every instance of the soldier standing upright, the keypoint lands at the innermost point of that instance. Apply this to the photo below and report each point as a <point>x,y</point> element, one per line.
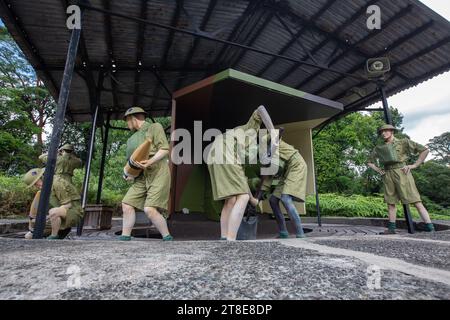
<point>149,191</point>
<point>399,184</point>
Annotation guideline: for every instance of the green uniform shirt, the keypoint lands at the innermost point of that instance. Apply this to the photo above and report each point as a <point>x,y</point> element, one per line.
<point>396,153</point>
<point>65,163</point>
<point>63,192</point>
<point>155,132</point>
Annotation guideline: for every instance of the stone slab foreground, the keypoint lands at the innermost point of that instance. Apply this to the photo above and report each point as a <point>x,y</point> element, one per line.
<point>371,267</point>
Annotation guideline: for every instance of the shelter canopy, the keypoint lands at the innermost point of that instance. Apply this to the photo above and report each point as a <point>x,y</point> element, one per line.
<point>328,33</point>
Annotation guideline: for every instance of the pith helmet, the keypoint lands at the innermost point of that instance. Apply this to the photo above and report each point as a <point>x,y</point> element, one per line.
<point>67,147</point>
<point>32,176</point>
<point>134,110</point>
<point>387,127</point>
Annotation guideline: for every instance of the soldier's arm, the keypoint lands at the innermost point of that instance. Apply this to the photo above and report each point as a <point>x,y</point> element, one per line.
<point>371,164</point>
<point>160,141</point>
<point>415,148</point>
<point>43,158</point>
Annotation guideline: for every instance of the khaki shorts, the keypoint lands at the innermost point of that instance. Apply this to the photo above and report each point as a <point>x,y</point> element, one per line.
<point>151,189</point>
<point>294,180</point>
<point>400,187</point>
<point>73,216</point>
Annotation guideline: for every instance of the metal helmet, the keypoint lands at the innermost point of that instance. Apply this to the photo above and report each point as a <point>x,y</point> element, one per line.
<point>134,110</point>
<point>387,127</point>
<point>32,176</point>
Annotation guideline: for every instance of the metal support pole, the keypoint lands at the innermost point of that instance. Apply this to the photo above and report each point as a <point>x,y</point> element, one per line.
<point>316,189</point>
<point>102,163</point>
<point>84,195</point>
<point>408,218</point>
<point>387,111</point>
<point>388,119</point>
<point>58,125</point>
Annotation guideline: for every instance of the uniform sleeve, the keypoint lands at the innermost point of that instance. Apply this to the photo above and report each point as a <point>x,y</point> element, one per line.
<point>158,136</point>
<point>65,192</point>
<point>414,147</point>
<point>76,162</point>
<point>43,158</point>
<point>254,122</point>
<point>373,157</point>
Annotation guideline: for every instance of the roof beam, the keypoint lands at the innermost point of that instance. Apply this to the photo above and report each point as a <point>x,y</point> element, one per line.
<point>328,36</point>
<point>386,50</point>
<point>139,51</point>
<point>214,39</point>
<point>163,63</point>
<point>354,47</point>
<point>395,67</point>
<point>110,46</point>
<point>254,38</point>
<point>297,36</point>
<point>251,8</point>
<point>204,23</point>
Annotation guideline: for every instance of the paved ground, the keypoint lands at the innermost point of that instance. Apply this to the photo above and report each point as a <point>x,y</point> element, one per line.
<point>337,267</point>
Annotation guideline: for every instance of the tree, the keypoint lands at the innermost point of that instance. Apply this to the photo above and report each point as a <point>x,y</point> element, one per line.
<point>440,147</point>
<point>26,108</point>
<point>433,181</point>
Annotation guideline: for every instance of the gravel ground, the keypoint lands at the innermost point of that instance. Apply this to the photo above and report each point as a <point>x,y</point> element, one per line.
<point>429,254</point>
<point>199,270</point>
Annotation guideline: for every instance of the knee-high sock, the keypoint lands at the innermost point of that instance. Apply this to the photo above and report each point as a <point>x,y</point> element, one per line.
<point>281,221</point>
<point>236,216</point>
<point>158,221</point>
<point>293,213</point>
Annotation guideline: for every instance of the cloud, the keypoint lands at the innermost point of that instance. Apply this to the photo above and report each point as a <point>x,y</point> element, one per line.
<point>429,127</point>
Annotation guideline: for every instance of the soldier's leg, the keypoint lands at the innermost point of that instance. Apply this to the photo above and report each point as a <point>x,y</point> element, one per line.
<point>225,216</point>
<point>288,203</point>
<point>55,216</point>
<point>425,216</point>
<point>392,225</point>
<point>279,217</point>
<point>129,219</point>
<point>158,221</point>
<point>236,215</point>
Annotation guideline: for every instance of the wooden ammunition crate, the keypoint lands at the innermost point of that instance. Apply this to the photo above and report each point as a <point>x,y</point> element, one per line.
<point>98,217</point>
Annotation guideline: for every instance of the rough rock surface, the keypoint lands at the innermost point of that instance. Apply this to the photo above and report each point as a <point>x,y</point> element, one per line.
<point>153,269</point>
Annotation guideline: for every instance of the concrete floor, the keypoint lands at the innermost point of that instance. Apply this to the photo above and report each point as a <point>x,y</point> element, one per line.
<point>340,266</point>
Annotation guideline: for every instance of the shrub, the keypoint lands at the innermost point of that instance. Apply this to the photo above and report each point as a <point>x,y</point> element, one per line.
<point>15,198</point>
<point>335,205</point>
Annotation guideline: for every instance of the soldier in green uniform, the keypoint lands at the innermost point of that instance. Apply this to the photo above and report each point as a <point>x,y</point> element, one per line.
<point>228,180</point>
<point>287,186</point>
<point>66,211</point>
<point>150,191</point>
<point>66,162</point>
<point>399,184</point>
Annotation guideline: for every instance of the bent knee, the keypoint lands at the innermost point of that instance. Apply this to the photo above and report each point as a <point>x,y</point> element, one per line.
<point>151,211</point>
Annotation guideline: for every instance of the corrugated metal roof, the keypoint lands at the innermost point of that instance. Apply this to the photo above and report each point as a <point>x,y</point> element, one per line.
<point>414,37</point>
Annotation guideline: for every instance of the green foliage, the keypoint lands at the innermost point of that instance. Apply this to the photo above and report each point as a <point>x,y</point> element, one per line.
<point>335,205</point>
<point>433,180</point>
<point>440,147</point>
<point>25,109</point>
<point>15,199</point>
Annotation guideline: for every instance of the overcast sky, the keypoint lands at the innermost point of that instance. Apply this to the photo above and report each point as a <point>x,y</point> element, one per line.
<point>426,108</point>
